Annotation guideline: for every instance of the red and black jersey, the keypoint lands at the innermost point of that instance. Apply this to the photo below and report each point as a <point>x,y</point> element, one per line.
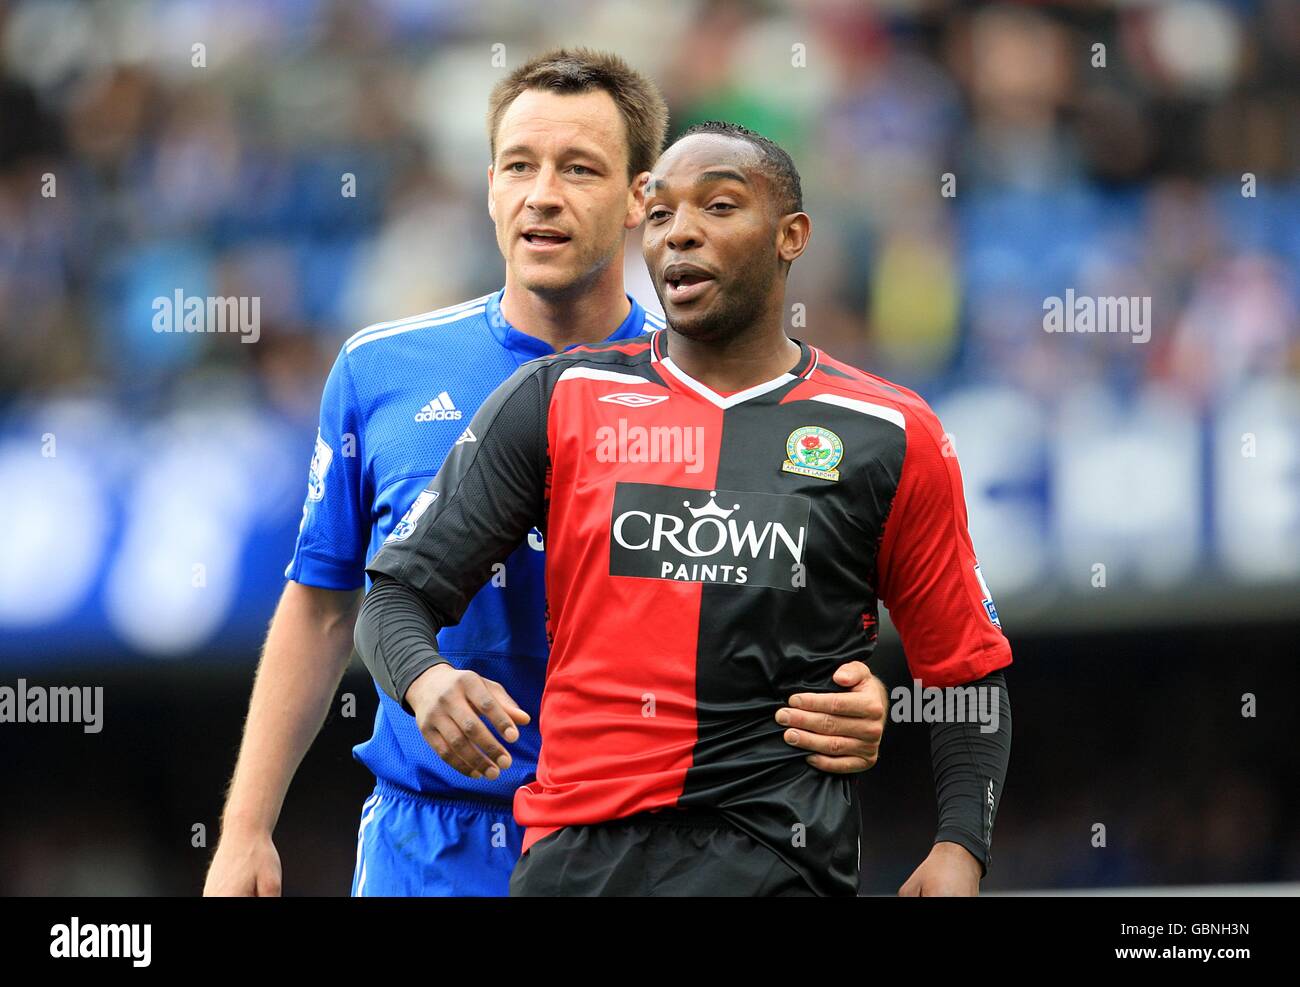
<point>707,556</point>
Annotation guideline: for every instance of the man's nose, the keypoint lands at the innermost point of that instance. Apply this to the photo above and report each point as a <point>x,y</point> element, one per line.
<point>683,231</point>
<point>544,196</point>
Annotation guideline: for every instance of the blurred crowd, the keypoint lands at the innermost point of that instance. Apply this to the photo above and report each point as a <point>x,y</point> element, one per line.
<point>962,163</point>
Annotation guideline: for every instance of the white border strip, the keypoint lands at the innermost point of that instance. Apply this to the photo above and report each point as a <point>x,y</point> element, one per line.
<point>716,398</point>
<point>863,407</point>
<point>423,324</point>
<point>422,317</point>
<point>361,833</point>
<point>592,373</point>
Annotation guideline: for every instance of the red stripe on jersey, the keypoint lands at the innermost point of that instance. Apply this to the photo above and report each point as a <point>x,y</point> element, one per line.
<point>858,384</point>
<point>619,706</point>
<point>631,349</point>
<point>926,565</point>
<point>863,382</point>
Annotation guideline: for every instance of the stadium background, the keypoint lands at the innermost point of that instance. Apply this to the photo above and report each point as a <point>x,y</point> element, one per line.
<point>130,457</point>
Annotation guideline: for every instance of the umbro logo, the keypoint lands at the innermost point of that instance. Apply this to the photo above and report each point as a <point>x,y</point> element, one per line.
<point>440,409</point>
<point>631,399</point>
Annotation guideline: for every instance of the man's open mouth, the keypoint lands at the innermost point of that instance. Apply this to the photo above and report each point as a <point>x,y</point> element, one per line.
<point>686,282</point>
<point>545,238</point>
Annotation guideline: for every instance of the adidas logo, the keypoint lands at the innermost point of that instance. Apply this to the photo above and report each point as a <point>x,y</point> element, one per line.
<point>440,409</point>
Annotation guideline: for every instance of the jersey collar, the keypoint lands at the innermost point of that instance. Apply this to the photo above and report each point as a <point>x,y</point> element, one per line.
<point>802,369</point>
<point>525,347</point>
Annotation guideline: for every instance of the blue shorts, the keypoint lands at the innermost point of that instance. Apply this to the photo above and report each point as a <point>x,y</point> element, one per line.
<point>412,845</point>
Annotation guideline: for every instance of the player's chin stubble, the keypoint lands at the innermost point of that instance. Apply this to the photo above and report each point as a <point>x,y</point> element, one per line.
<point>554,281</point>
<point>737,307</point>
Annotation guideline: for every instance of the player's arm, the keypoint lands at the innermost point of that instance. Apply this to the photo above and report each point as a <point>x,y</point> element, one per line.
<point>970,764</point>
<point>306,651</point>
<point>487,496</point>
<point>928,577</point>
<point>842,730</point>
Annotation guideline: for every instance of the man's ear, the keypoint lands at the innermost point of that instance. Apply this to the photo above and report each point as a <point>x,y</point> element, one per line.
<point>636,201</point>
<point>492,206</point>
<point>792,235</point>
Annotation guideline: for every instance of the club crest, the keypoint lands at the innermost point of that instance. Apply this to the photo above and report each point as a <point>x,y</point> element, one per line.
<point>813,451</point>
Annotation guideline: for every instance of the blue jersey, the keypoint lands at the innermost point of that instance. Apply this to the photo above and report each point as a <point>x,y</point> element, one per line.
<point>399,396</point>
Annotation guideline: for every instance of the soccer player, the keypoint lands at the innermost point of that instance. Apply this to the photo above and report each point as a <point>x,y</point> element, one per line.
<point>573,135</point>
<point>724,507</point>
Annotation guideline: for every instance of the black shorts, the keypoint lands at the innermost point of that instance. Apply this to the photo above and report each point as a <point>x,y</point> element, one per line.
<point>672,852</point>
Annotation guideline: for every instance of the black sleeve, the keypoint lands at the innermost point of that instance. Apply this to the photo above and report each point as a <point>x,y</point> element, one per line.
<point>489,493</point>
<point>398,628</point>
<point>970,767</point>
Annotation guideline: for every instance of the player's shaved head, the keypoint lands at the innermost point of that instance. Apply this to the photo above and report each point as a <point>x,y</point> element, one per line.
<point>772,160</point>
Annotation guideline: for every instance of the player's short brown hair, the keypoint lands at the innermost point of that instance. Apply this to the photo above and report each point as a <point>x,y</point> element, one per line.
<point>580,70</point>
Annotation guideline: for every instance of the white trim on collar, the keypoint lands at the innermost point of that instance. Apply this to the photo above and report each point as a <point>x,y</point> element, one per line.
<point>713,396</point>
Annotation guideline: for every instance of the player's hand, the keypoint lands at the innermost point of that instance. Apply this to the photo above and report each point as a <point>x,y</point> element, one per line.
<point>950,870</point>
<point>450,706</point>
<point>246,865</point>
<point>843,729</point>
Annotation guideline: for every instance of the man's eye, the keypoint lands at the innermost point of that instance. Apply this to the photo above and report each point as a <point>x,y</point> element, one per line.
<point>723,205</point>
<point>516,166</point>
<point>657,214</point>
<point>582,170</point>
